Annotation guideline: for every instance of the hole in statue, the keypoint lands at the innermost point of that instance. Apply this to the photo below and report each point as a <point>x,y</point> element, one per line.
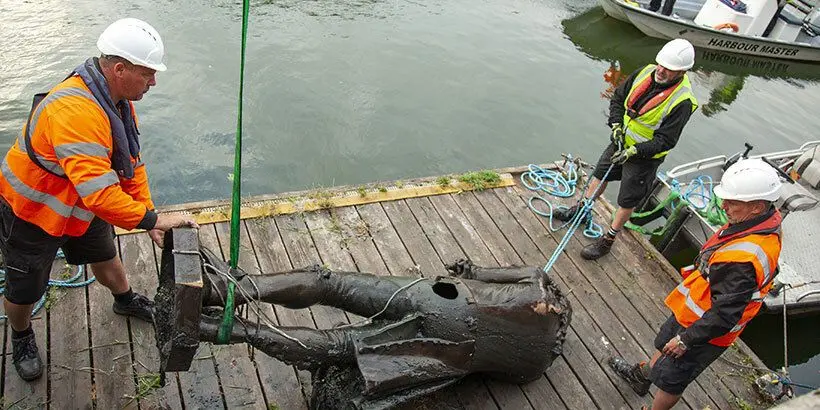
<point>445,290</point>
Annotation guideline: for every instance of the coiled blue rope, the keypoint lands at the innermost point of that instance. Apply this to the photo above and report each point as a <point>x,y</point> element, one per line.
<point>66,283</point>
<point>562,185</point>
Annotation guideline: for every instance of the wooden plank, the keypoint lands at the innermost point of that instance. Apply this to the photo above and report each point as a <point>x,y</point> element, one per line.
<point>414,239</point>
<point>436,231</point>
<point>487,229</point>
<point>70,360</point>
<point>358,239</point>
<point>299,242</point>
<point>573,393</point>
<point>110,351</point>
<point>278,380</point>
<point>140,264</point>
<point>237,374</point>
<point>546,391</point>
<point>471,241</point>
<point>465,234</point>
<point>388,242</point>
<point>19,393</point>
<point>593,337</point>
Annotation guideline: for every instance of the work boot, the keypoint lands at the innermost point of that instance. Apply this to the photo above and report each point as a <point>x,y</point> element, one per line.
<point>632,373</point>
<point>565,215</point>
<point>598,248</point>
<point>139,307</point>
<point>26,357</point>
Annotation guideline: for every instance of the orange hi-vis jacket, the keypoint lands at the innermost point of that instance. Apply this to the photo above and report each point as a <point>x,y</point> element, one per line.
<point>758,245</point>
<point>71,136</point>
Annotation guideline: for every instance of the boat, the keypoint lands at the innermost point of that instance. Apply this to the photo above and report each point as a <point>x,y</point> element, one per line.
<point>797,285</point>
<point>605,39</point>
<point>793,35</point>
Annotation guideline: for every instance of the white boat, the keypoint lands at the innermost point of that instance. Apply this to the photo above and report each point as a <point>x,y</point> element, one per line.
<point>799,277</point>
<point>795,34</point>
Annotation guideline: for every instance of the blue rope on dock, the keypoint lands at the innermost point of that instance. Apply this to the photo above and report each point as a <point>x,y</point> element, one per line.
<point>67,283</point>
<point>563,185</point>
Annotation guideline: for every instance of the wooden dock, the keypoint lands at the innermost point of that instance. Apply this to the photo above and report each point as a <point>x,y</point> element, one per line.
<point>97,359</point>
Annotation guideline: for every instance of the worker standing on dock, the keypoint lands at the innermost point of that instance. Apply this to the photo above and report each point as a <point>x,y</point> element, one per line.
<point>73,173</point>
<point>721,292</point>
<point>647,114</point>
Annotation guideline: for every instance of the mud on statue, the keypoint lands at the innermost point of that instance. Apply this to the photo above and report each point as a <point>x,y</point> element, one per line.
<point>421,335</point>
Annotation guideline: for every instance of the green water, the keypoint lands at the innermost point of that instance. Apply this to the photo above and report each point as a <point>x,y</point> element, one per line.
<point>355,91</point>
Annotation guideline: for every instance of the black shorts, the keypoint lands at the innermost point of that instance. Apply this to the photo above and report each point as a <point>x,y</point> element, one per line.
<point>673,375</point>
<point>636,176</point>
<point>29,252</point>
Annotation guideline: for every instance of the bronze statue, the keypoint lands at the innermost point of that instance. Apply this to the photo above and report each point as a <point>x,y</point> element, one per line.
<point>420,335</point>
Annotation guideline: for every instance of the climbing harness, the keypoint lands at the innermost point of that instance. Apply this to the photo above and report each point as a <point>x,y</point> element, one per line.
<point>57,283</point>
<point>225,328</point>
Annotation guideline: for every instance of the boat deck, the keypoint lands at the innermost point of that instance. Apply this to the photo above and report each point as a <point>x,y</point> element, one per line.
<point>97,359</point>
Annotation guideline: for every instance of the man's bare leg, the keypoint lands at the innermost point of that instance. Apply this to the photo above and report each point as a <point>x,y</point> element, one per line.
<point>111,274</point>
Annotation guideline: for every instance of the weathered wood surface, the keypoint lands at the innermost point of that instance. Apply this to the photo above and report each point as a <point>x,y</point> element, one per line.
<point>97,357</point>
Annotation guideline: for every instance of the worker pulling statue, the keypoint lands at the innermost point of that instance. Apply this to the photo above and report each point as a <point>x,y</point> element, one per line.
<point>420,334</point>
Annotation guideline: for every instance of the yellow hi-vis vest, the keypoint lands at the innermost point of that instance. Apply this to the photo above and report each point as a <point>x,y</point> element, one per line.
<point>640,126</point>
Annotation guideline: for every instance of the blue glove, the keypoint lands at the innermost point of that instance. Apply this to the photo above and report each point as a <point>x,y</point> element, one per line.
<point>624,155</point>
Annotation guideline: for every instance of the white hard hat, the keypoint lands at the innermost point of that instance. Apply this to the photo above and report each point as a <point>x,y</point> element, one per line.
<point>677,55</point>
<point>749,180</point>
<point>135,41</point>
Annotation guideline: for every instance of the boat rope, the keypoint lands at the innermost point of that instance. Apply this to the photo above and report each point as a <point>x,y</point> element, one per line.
<point>70,282</point>
<point>224,333</point>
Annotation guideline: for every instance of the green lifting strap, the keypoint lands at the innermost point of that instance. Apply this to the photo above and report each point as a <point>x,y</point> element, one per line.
<point>714,213</point>
<point>224,333</point>
<point>674,196</point>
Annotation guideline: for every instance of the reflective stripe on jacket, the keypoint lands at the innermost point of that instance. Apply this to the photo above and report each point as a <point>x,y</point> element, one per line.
<point>71,137</point>
<point>758,246</point>
<point>640,125</point>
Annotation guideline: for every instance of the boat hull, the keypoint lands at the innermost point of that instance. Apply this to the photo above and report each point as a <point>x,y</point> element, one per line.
<point>656,25</point>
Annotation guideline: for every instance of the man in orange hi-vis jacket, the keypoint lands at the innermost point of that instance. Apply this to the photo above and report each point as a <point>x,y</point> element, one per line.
<point>721,292</point>
<point>74,173</point>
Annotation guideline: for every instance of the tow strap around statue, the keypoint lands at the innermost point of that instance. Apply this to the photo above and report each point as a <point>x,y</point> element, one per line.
<point>225,328</point>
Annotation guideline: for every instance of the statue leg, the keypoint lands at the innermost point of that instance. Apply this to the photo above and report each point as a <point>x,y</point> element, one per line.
<point>302,347</point>
<point>359,293</point>
<point>464,268</point>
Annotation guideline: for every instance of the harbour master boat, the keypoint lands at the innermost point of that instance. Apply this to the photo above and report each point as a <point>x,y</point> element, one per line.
<point>752,27</point>
<point>692,214</point>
